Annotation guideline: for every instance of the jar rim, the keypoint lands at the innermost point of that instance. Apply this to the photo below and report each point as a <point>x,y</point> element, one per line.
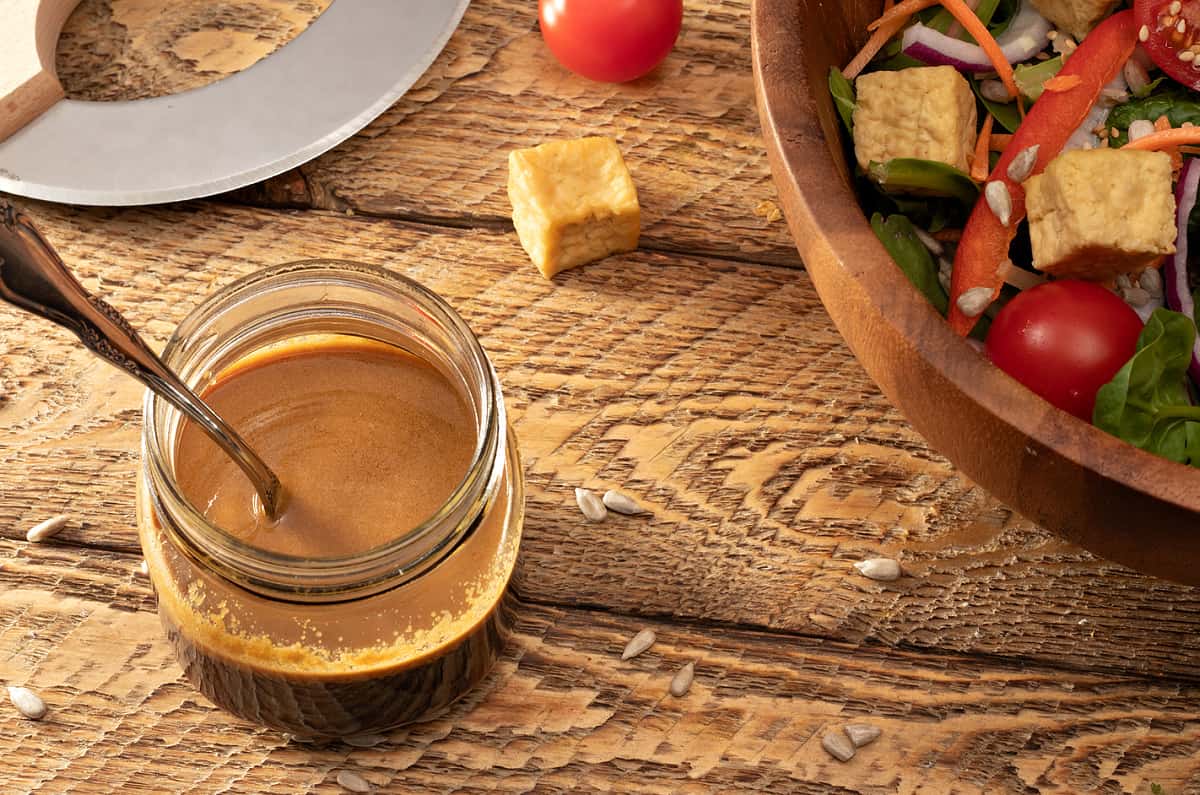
<point>382,567</point>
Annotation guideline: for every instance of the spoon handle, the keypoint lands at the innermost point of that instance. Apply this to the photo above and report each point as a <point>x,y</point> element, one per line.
<point>34,278</point>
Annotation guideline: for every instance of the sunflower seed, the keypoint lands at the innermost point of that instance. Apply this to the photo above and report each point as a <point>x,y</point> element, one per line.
<point>1136,296</point>
<point>682,681</point>
<point>298,738</point>
<point>1140,128</point>
<point>945,273</point>
<point>352,782</point>
<point>861,733</point>
<point>622,503</point>
<point>838,745</point>
<point>1123,282</point>
<point>994,91</point>
<point>27,702</point>
<point>999,199</point>
<point>365,740</point>
<point>1150,280</point>
<point>930,242</point>
<point>884,569</point>
<point>1136,76</point>
<point>51,527</point>
<point>974,301</point>
<point>638,644</point>
<point>590,505</point>
<point>1022,165</point>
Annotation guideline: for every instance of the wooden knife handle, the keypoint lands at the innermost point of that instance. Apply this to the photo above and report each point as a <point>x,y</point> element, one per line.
<point>28,39</point>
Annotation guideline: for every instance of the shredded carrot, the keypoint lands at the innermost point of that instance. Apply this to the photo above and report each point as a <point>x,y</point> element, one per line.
<point>1165,139</point>
<point>1000,141</point>
<point>1163,123</point>
<point>971,23</point>
<point>902,10</point>
<point>1062,83</point>
<point>874,44</point>
<point>979,165</point>
<point>963,13</point>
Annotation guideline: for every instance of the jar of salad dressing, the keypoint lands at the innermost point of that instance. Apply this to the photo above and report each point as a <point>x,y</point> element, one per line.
<point>378,593</point>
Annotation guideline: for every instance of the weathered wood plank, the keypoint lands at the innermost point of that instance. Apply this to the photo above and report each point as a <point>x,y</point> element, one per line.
<point>689,131</point>
<point>717,393</point>
<point>561,712</point>
<point>131,49</point>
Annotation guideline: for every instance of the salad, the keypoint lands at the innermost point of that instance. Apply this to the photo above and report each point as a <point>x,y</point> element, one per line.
<point>1032,167</point>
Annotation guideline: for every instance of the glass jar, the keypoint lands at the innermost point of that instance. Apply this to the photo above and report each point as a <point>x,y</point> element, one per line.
<point>332,647</point>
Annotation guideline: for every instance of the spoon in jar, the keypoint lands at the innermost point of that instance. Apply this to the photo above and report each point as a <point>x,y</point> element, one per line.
<point>34,278</point>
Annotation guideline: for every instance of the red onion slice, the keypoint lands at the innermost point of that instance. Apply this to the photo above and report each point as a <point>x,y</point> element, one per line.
<point>1175,269</point>
<point>1025,38</point>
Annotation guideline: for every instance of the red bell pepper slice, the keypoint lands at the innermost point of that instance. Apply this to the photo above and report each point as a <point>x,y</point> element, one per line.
<point>1049,123</point>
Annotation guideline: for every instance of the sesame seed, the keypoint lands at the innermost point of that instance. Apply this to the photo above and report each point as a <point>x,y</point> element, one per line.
<point>1144,33</point>
<point>1175,7</point>
<point>1182,26</point>
<point>1186,55</point>
<point>1052,35</point>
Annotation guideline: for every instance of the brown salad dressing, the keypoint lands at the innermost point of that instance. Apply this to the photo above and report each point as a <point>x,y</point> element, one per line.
<point>369,442</point>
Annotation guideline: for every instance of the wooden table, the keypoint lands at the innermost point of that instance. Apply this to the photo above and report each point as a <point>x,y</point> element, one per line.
<point>699,373</point>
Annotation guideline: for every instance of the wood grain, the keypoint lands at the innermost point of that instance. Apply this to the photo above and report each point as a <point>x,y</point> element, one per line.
<point>133,49</point>
<point>561,712</point>
<point>688,130</point>
<point>715,392</point>
<point>1069,476</point>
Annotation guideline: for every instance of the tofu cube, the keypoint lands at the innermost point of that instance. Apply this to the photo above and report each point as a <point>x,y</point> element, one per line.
<point>1076,17</point>
<point>927,112</point>
<point>1097,213</point>
<point>573,202</point>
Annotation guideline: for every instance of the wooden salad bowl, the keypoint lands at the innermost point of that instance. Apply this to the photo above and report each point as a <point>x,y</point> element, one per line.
<point>1089,487</point>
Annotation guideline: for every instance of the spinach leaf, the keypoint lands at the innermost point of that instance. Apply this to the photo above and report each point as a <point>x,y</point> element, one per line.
<point>897,235</point>
<point>936,17</point>
<point>1147,402</point>
<point>1176,103</point>
<point>1006,113</point>
<point>923,177</point>
<point>985,11</point>
<point>1001,17</point>
<point>1030,77</point>
<point>843,97</point>
<point>896,62</point>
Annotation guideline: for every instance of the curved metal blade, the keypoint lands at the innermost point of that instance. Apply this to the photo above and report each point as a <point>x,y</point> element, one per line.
<point>349,66</point>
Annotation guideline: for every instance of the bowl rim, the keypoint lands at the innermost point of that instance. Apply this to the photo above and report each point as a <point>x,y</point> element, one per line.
<point>776,26</point>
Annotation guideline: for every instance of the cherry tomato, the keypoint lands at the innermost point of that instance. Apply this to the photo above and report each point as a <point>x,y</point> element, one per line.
<point>610,40</point>
<point>1064,340</point>
<point>1166,42</point>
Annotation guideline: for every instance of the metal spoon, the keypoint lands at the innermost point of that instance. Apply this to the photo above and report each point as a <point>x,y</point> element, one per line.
<point>34,278</point>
